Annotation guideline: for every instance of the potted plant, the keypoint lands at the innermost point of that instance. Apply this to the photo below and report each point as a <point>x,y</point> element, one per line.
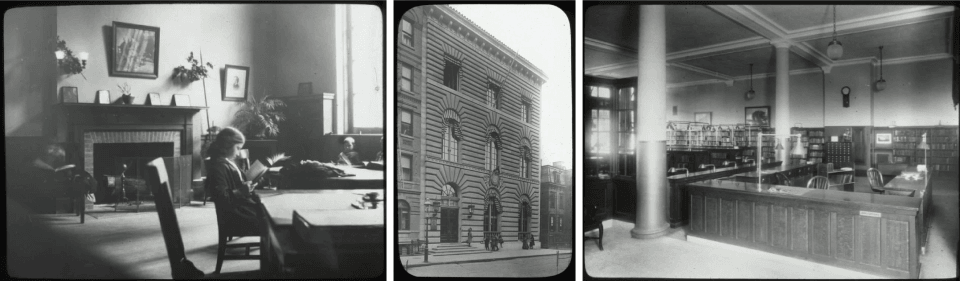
<point>260,118</point>
<point>194,73</point>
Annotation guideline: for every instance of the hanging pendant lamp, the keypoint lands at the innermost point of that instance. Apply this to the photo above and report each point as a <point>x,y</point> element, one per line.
<point>749,94</point>
<point>881,84</point>
<point>835,49</point>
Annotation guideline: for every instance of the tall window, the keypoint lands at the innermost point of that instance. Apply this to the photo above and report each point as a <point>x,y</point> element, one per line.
<point>492,154</point>
<point>406,77</point>
<point>626,107</point>
<point>600,92</point>
<point>524,162</point>
<point>493,95</point>
<point>553,225</point>
<point>599,133</point>
<point>451,74</point>
<point>359,74</point>
<point>404,216</point>
<point>525,112</point>
<point>450,142</point>
<point>406,30</point>
<point>525,215</point>
<point>553,199</point>
<point>406,123</point>
<point>406,171</point>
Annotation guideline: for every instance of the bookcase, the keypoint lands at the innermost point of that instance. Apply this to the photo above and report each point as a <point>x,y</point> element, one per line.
<point>942,156</point>
<point>813,140</point>
<point>838,152</point>
<point>693,136</point>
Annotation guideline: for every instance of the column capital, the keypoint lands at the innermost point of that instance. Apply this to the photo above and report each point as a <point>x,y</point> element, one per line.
<point>780,44</point>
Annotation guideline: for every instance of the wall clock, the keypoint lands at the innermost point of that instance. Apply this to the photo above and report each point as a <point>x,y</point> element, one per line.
<point>845,91</point>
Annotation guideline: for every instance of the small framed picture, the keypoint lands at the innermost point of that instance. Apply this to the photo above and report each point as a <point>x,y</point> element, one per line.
<point>884,139</point>
<point>703,117</point>
<point>68,95</point>
<point>103,97</point>
<point>180,100</point>
<point>153,99</point>
<point>305,88</point>
<point>235,82</point>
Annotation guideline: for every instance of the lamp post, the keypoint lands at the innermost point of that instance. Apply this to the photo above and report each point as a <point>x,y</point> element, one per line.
<point>432,207</point>
<point>797,149</point>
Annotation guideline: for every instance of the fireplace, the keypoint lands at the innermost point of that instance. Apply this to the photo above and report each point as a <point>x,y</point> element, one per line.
<point>107,134</point>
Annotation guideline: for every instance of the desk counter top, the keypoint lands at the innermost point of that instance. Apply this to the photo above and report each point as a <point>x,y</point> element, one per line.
<point>909,204</point>
<point>770,171</point>
<point>280,204</point>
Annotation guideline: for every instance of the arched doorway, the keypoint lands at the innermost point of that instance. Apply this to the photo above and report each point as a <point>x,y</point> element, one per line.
<point>449,213</point>
<point>526,213</point>
<point>491,213</point>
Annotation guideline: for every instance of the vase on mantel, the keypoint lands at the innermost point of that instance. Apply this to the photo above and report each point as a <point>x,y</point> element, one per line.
<point>126,99</point>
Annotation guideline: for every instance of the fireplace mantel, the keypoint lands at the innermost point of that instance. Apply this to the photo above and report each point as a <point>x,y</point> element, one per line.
<point>75,119</point>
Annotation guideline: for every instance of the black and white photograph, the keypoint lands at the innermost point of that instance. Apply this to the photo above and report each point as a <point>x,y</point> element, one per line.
<point>823,143</point>
<point>243,178</point>
<point>484,108</point>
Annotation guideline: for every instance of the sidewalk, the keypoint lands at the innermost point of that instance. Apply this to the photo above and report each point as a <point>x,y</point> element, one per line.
<point>508,252</point>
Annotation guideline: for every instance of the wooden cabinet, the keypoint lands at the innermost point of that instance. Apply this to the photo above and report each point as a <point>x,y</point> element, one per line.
<point>598,193</point>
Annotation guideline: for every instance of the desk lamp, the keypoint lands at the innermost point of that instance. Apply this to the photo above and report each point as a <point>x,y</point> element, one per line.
<point>797,149</point>
<point>923,145</point>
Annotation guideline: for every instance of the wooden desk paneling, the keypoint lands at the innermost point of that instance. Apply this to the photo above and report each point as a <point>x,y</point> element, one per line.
<point>872,233</point>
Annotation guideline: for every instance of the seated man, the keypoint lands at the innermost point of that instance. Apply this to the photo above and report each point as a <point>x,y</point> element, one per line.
<point>50,178</point>
<point>348,156</point>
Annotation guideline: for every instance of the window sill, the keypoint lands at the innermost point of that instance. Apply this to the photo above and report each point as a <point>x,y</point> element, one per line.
<point>407,136</point>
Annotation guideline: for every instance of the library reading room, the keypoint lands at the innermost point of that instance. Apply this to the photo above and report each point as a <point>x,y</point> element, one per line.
<point>770,141</point>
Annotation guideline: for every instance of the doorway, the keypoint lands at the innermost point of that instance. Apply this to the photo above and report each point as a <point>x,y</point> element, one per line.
<point>449,225</point>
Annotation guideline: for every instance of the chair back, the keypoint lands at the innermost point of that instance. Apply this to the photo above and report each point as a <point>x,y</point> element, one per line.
<point>876,179</point>
<point>243,159</point>
<point>158,181</point>
<point>783,179</point>
<point>818,182</point>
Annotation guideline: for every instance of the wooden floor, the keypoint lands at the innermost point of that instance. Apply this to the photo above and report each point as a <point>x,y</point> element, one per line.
<point>114,245</point>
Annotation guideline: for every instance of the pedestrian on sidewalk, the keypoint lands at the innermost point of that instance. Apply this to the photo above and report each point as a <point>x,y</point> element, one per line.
<point>469,236</point>
<point>500,237</point>
<point>486,242</point>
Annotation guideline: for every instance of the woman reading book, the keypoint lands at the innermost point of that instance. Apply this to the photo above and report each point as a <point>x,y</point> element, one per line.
<point>231,190</point>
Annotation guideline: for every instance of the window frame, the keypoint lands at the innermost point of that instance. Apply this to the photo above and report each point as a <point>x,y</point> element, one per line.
<point>406,173</point>
<point>404,24</point>
<point>409,80</point>
<point>491,155</point>
<point>403,216</point>
<point>447,140</point>
<point>409,124</point>
<point>525,112</point>
<point>448,62</point>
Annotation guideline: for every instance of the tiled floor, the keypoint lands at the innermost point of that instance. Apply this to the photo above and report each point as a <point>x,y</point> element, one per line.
<point>672,256</point>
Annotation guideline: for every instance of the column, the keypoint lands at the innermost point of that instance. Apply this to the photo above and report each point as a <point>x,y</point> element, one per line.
<point>652,189</point>
<point>781,112</point>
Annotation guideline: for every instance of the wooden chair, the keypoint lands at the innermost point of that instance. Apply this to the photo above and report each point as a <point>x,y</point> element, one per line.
<point>876,180</point>
<point>591,212</point>
<point>844,180</point>
<point>180,266</point>
<point>226,230</point>
<point>783,179</point>
<point>818,182</point>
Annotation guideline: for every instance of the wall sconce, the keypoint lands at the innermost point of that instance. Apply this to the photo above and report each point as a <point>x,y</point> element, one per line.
<point>69,63</point>
<point>470,211</point>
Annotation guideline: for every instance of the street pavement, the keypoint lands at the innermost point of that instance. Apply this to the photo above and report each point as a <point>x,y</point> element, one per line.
<point>536,266</point>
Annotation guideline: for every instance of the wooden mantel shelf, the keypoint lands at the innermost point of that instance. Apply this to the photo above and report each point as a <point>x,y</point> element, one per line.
<point>94,106</point>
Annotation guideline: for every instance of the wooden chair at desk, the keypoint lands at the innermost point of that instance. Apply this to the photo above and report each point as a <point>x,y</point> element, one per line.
<point>844,180</point>
<point>226,230</point>
<point>591,212</point>
<point>876,180</point>
<point>180,266</point>
<point>818,182</point>
<point>783,179</point>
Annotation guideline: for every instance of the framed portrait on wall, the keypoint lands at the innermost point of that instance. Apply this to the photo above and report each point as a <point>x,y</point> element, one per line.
<point>235,82</point>
<point>136,50</point>
<point>885,138</point>
<point>757,116</point>
<point>703,117</point>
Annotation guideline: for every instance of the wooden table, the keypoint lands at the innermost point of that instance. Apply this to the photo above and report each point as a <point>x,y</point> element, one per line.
<point>768,175</point>
<point>283,253</point>
<point>362,179</point>
<point>867,232</point>
<point>922,189</point>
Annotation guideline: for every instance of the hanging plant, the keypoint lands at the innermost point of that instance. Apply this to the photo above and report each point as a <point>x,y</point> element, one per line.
<point>196,71</point>
<point>69,64</point>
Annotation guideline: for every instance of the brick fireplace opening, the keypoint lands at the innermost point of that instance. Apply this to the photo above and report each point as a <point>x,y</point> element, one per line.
<point>104,152</point>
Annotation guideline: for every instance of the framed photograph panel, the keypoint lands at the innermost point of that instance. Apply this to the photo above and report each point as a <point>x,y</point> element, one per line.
<point>235,82</point>
<point>757,116</point>
<point>136,50</point>
<point>703,117</point>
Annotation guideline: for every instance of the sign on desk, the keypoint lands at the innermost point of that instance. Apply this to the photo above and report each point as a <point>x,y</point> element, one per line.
<point>870,214</point>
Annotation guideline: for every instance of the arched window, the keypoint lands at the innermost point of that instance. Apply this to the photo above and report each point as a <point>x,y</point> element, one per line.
<point>492,152</point>
<point>525,159</point>
<point>451,140</point>
<point>526,212</point>
<point>403,220</point>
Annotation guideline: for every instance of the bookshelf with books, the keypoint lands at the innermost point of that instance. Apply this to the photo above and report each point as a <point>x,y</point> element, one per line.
<point>813,140</point>
<point>940,158</point>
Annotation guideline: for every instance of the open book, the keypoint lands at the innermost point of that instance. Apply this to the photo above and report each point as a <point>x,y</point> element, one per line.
<point>276,158</point>
<point>256,171</point>
<point>45,166</point>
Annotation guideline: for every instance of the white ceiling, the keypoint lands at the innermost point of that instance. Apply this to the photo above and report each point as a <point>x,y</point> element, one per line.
<point>715,43</point>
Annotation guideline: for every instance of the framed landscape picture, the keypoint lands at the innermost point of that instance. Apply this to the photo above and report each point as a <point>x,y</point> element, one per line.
<point>235,82</point>
<point>757,116</point>
<point>886,138</point>
<point>136,50</point>
<point>703,117</point>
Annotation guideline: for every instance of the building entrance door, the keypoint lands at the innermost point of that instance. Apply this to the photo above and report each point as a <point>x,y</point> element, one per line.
<point>449,225</point>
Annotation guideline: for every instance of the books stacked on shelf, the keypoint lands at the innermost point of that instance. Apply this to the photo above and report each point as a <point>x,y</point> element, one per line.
<point>812,139</point>
<point>942,156</point>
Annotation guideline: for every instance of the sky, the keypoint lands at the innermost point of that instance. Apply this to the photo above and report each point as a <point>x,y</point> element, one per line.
<point>541,34</point>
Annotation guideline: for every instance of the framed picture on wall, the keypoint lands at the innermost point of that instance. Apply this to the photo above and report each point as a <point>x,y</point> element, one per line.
<point>886,138</point>
<point>703,117</point>
<point>69,95</point>
<point>235,82</point>
<point>757,115</point>
<point>136,50</point>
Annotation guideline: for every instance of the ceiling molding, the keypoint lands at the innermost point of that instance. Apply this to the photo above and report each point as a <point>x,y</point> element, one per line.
<point>735,46</point>
<point>744,77</point>
<point>701,71</point>
<point>917,59</point>
<point>594,44</point>
<point>610,67</point>
<point>869,23</point>
<point>804,50</point>
<point>750,19</point>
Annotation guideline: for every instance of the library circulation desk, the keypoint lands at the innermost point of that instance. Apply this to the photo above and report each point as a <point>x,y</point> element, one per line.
<point>873,233</point>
